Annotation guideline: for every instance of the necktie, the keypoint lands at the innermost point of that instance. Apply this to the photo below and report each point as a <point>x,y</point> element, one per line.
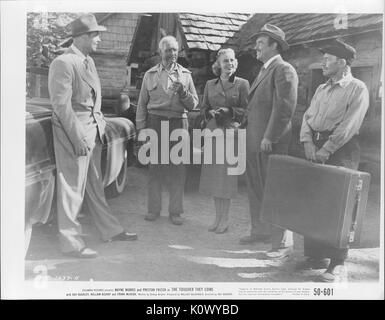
<point>90,73</point>
<point>88,66</point>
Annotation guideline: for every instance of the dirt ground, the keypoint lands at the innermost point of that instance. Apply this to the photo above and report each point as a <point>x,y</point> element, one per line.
<point>165,252</point>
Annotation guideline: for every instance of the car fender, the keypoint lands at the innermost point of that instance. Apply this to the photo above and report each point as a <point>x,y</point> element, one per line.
<point>117,134</point>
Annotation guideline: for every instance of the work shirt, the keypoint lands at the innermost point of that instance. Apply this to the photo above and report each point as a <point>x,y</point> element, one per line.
<point>167,77</point>
<point>156,96</point>
<point>338,107</point>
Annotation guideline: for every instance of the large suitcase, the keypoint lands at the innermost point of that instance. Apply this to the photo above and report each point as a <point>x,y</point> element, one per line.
<point>322,202</point>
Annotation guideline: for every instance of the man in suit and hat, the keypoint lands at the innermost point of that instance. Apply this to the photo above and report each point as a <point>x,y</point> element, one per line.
<point>329,134</point>
<point>78,129</point>
<point>272,101</point>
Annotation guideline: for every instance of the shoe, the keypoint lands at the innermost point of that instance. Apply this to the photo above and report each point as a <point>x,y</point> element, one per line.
<point>213,227</point>
<point>312,264</point>
<point>338,273</point>
<point>255,238</point>
<point>176,219</point>
<point>85,253</point>
<point>151,216</point>
<point>221,229</point>
<point>280,253</point>
<point>124,236</point>
<point>223,221</point>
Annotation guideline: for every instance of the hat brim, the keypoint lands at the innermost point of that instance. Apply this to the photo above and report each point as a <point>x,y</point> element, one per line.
<point>95,29</point>
<point>324,49</point>
<point>329,50</point>
<point>285,46</point>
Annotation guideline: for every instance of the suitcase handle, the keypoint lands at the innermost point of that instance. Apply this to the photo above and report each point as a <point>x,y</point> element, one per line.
<point>355,211</point>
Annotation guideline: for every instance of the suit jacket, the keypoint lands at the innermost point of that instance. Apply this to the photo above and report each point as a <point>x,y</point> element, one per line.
<point>75,94</point>
<point>272,101</point>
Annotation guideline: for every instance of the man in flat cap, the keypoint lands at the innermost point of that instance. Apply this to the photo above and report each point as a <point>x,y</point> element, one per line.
<point>329,134</point>
<point>78,129</point>
<point>272,102</point>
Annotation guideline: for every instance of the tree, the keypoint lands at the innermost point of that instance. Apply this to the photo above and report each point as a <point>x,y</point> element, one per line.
<point>45,31</point>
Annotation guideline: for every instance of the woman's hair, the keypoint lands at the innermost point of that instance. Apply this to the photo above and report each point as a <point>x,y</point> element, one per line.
<point>217,66</point>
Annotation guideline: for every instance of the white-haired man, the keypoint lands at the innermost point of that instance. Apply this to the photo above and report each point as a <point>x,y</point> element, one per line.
<point>166,95</point>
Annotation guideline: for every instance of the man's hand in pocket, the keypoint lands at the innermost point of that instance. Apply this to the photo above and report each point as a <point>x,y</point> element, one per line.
<point>266,145</point>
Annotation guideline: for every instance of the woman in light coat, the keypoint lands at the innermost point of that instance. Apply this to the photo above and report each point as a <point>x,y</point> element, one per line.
<point>225,97</point>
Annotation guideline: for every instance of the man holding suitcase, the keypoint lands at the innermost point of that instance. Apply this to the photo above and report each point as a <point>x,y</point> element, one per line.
<point>329,134</point>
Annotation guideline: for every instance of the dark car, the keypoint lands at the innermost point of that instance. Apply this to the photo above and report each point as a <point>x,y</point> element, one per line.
<point>40,167</point>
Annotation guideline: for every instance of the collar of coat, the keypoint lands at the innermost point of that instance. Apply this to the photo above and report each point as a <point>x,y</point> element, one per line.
<point>91,80</point>
<point>77,51</point>
<point>269,62</point>
<point>231,79</point>
<point>277,59</point>
<point>259,79</point>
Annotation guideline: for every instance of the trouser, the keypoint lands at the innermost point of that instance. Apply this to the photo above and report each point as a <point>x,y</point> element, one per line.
<point>173,174</point>
<point>256,166</point>
<point>347,156</point>
<point>80,178</point>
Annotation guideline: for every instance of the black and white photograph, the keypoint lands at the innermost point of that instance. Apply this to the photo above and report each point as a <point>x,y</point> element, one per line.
<point>192,152</point>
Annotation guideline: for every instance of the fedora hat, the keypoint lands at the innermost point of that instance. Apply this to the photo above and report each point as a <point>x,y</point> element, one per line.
<point>273,32</point>
<point>84,24</point>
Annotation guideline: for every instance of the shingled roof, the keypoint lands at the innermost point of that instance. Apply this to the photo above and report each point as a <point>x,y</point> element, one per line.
<point>300,28</point>
<point>210,31</point>
<point>306,28</point>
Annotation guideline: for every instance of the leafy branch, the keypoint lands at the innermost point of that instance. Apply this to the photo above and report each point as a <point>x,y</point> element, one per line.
<point>45,31</point>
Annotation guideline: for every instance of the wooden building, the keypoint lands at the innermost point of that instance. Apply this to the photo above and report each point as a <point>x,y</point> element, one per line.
<point>130,46</point>
<point>111,56</point>
<point>307,32</point>
<point>199,36</point>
